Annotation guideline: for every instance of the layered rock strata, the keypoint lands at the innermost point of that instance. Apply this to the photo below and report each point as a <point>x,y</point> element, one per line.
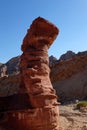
<point>35,70</point>
<point>35,63</point>
<point>41,109</point>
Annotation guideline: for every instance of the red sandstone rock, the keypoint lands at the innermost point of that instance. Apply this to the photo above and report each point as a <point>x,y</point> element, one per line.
<point>35,69</point>
<point>35,63</point>
<point>43,113</point>
<point>32,119</point>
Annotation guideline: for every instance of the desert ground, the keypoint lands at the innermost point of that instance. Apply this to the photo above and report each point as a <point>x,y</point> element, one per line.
<point>72,118</point>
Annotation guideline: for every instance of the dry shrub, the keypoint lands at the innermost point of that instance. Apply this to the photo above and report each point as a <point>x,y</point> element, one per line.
<point>82,104</point>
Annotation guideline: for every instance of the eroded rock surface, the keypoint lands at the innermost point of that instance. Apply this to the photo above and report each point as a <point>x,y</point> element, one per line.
<point>35,63</point>
<point>64,76</point>
<point>42,113</point>
<point>69,78</point>
<point>35,70</point>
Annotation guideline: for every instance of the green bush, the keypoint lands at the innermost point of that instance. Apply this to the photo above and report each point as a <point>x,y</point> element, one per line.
<point>82,104</point>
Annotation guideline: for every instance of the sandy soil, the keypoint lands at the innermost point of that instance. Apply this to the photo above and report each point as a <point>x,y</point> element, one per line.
<point>71,118</point>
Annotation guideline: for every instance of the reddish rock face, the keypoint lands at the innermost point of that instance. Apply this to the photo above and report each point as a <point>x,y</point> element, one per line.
<point>35,71</point>
<point>43,112</point>
<point>35,63</point>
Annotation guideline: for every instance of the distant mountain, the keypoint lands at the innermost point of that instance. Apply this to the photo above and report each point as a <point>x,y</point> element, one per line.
<point>68,55</point>
<point>13,65</point>
<point>82,53</point>
<point>52,60</point>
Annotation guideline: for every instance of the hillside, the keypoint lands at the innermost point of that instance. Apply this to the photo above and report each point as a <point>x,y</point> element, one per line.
<point>69,78</point>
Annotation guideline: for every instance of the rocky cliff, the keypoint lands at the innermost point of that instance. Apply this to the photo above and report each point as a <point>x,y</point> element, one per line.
<point>69,77</point>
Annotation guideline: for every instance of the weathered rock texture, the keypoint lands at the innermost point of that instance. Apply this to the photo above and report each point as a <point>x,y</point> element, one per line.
<point>64,76</point>
<point>35,63</point>
<point>42,112</point>
<point>35,71</point>
<point>69,78</point>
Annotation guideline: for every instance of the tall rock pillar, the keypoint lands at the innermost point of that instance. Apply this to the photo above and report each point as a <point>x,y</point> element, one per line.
<point>35,73</point>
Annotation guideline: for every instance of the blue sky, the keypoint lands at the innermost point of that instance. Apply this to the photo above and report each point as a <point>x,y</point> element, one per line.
<point>70,16</point>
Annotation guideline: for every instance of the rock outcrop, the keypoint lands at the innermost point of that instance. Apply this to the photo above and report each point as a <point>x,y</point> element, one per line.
<point>34,66</point>
<point>34,63</point>
<point>42,113</point>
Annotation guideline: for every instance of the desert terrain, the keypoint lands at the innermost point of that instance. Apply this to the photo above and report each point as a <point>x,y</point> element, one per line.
<point>72,118</point>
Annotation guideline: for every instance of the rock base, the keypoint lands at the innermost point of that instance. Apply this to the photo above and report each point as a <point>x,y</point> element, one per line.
<point>31,119</point>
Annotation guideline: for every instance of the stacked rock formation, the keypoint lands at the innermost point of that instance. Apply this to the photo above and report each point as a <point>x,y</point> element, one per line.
<point>36,108</point>
<point>35,70</point>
